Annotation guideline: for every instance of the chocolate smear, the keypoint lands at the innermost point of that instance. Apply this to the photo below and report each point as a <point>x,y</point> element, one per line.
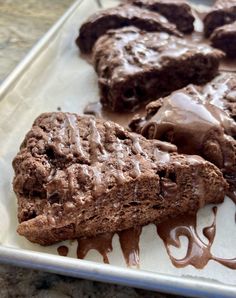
<point>129,242</point>
<point>96,109</point>
<point>102,243</point>
<point>198,253</point>
<point>63,250</point>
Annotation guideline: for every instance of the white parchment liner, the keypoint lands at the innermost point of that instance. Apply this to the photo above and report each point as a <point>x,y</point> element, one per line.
<point>60,78</point>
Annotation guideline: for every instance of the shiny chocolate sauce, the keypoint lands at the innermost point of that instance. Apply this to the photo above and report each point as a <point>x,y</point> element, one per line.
<point>102,243</point>
<point>198,253</point>
<point>63,250</point>
<point>97,110</point>
<point>129,242</point>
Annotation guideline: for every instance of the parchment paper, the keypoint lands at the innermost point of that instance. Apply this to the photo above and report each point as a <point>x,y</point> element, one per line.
<point>60,78</point>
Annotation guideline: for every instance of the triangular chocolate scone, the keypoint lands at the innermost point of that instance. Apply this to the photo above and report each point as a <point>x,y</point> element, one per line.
<point>81,176</point>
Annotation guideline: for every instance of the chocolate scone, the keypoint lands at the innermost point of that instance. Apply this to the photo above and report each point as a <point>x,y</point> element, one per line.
<point>135,67</point>
<point>224,38</point>
<point>81,176</point>
<point>223,12</point>
<point>190,119</point>
<point>178,12</point>
<point>118,17</point>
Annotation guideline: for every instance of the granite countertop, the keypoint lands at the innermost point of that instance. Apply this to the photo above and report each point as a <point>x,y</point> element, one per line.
<point>22,23</point>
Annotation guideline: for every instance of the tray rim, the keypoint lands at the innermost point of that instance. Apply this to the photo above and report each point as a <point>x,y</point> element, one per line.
<point>180,285</point>
<point>191,286</point>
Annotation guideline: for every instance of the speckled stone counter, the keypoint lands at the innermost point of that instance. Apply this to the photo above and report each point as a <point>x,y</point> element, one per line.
<point>22,23</point>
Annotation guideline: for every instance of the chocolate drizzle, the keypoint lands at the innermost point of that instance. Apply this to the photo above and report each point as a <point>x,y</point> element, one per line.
<point>129,242</point>
<point>97,151</point>
<point>102,243</point>
<point>73,134</point>
<point>63,250</point>
<point>198,253</point>
<point>98,111</point>
<point>178,116</point>
<point>198,120</point>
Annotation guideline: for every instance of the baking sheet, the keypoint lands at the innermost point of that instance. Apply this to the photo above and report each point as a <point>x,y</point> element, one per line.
<point>60,78</point>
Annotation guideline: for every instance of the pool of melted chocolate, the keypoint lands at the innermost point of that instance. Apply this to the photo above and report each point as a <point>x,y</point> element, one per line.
<point>102,243</point>
<point>96,109</point>
<point>198,252</point>
<point>63,250</point>
<point>129,242</point>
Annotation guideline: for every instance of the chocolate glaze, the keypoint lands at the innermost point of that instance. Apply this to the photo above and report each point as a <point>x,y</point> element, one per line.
<point>63,250</point>
<point>198,253</point>
<point>102,243</point>
<point>189,120</point>
<point>98,111</point>
<point>226,64</point>
<point>129,242</point>
<point>221,92</point>
<point>134,67</point>
<point>198,120</point>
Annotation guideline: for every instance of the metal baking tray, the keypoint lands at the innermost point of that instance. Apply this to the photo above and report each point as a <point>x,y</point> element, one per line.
<point>51,76</point>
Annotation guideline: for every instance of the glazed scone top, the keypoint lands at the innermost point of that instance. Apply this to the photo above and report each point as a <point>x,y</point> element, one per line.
<point>142,51</point>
